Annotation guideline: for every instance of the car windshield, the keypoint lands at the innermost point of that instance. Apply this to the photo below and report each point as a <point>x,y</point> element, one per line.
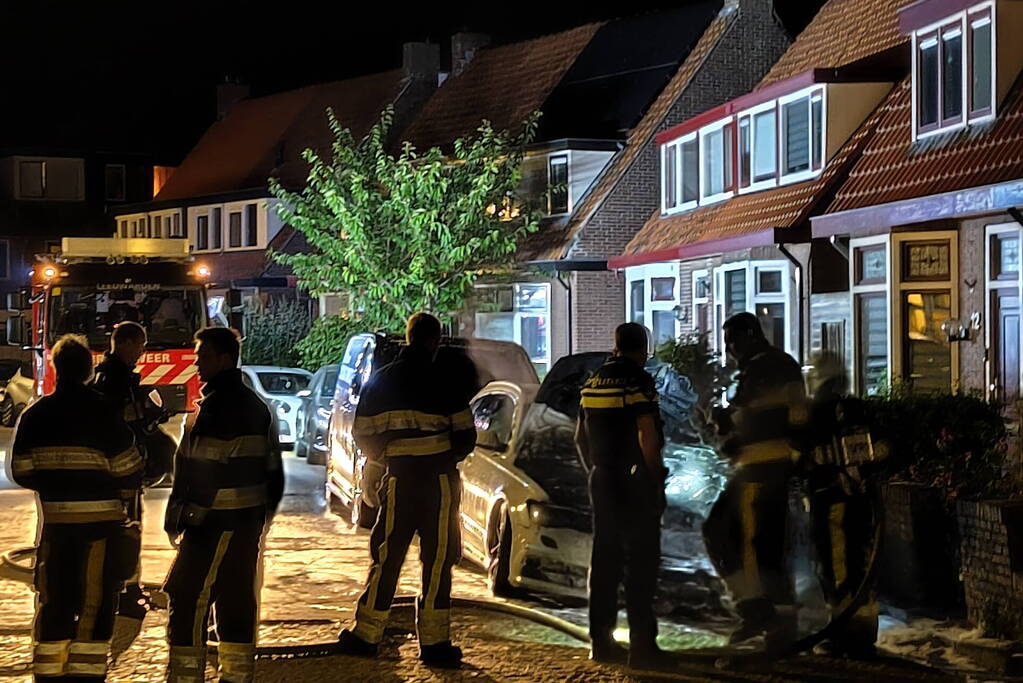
<point>282,383</point>
<point>171,315</point>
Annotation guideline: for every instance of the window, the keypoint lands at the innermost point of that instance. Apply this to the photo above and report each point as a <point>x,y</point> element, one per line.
<point>32,179</point>
<point>518,313</point>
<point>868,267</point>
<point>158,226</point>
<point>680,174</point>
<point>760,287</point>
<point>122,227</point>
<point>670,176</point>
<point>954,71</point>
<point>175,229</point>
<point>745,152</point>
<point>717,162</point>
<point>216,228</point>
<point>653,300</point>
<point>701,302</point>
<point>637,301</point>
<point>250,225</point>
<point>927,351</point>
<point>662,289</point>
<point>114,183</point>
<point>5,265</point>
<point>234,229</point>
<point>802,133</point>
<point>690,172</point>
<point>769,281</point>
<point>1004,258</point>
<point>764,148</point>
<point>1004,289</point>
<point>735,292</point>
<point>557,184</point>
<point>202,232</point>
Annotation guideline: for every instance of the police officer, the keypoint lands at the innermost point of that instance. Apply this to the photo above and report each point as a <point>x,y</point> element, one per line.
<point>838,456</point>
<point>414,424</point>
<point>619,438</point>
<point>118,382</point>
<point>745,533</point>
<point>81,459</point>
<point>228,481</point>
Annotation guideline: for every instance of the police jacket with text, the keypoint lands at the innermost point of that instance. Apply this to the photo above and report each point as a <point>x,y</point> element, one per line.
<point>227,470</point>
<point>768,409</point>
<point>611,400</point>
<point>414,413</point>
<point>78,454</point>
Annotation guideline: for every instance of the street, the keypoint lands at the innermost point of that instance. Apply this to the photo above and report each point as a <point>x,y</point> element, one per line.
<point>314,569</point>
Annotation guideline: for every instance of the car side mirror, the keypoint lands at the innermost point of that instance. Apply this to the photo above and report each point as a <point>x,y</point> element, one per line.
<point>17,326</point>
<point>19,301</point>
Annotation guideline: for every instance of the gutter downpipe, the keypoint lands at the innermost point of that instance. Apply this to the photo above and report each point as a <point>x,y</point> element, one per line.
<point>799,296</point>
<point>568,293</point>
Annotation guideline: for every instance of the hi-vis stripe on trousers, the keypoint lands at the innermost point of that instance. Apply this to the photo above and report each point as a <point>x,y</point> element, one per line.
<point>78,581</point>
<point>215,569</point>
<point>426,505</point>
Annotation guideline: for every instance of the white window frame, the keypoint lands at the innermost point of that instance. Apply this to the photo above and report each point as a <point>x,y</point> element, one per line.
<point>518,315</point>
<point>752,112</point>
<point>706,199</point>
<point>873,288</point>
<point>239,207</point>
<point>753,297</point>
<point>647,273</point>
<point>990,285</point>
<point>811,172</point>
<point>665,209</point>
<point>694,277</point>
<point>965,24</point>
<point>208,212</point>
<point>568,182</point>
<point>680,204</point>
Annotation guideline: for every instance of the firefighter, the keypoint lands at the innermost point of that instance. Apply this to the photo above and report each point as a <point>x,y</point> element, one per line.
<point>838,457</point>
<point>80,457</point>
<point>745,532</point>
<point>118,382</point>
<point>619,438</point>
<point>228,481</point>
<point>413,425</point>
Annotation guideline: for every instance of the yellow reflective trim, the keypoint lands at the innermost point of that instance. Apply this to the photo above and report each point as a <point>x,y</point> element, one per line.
<point>236,661</point>
<point>86,668</point>
<point>68,458</point>
<point>202,605</point>
<point>638,397</point>
<point>222,450</point>
<point>90,647</point>
<point>369,621</point>
<point>602,402</point>
<point>93,593</point>
<point>81,511</point>
<point>462,420</point>
<point>613,390</point>
<point>776,450</point>
<point>238,498</point>
<point>52,647</point>
<point>396,420</point>
<point>21,464</point>
<point>419,445</point>
<point>126,462</point>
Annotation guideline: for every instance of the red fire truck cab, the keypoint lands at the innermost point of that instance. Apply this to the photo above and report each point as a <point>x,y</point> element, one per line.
<point>95,283</point>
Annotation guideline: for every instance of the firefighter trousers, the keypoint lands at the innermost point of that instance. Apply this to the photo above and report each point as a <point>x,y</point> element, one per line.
<point>842,530</point>
<point>745,535</point>
<point>77,580</point>
<point>626,545</point>
<point>425,505</point>
<point>220,570</point>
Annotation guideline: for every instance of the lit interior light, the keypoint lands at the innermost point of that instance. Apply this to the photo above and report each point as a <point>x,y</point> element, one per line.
<point>203,271</point>
<point>49,272</point>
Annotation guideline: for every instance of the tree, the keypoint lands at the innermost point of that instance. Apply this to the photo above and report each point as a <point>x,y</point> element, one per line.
<point>400,233</point>
<point>273,332</point>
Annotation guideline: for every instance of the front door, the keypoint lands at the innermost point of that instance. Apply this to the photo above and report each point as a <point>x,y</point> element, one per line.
<point>1005,343</point>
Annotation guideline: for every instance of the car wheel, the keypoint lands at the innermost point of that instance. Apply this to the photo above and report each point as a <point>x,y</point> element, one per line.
<point>498,571</point>
<point>335,505</point>
<point>315,457</point>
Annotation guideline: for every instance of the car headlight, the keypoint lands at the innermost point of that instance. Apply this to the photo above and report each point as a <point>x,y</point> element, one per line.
<point>557,516</point>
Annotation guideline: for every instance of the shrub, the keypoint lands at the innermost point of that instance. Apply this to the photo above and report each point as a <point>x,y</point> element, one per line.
<point>272,333</point>
<point>691,356</point>
<point>326,341</point>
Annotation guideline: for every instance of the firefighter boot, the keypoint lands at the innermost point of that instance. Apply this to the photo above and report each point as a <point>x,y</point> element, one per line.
<point>443,655</point>
<point>607,651</point>
<point>650,657</point>
<point>350,644</point>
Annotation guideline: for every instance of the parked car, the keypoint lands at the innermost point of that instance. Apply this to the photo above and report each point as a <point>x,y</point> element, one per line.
<point>16,391</point>
<point>479,361</point>
<point>279,388</point>
<point>525,510</point>
<point>314,416</point>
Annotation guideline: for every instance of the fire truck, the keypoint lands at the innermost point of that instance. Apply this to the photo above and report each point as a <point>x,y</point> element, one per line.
<point>93,284</point>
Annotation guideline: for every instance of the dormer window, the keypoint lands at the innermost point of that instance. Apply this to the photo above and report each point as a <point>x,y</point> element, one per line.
<point>953,74</point>
<point>718,176</point>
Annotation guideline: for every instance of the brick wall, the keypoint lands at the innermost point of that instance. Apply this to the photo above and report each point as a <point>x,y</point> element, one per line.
<point>750,47</point>
<point>992,543</point>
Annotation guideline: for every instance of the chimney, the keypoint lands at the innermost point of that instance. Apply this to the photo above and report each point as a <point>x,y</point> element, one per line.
<point>229,93</point>
<point>421,61</point>
<point>464,47</point>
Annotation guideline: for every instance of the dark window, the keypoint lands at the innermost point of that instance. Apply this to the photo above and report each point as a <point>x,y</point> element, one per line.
<point>176,229</point>
<point>216,228</point>
<point>114,182</point>
<point>5,266</point>
<point>952,76</point>
<point>872,348</point>
<point>202,232</point>
<point>234,229</point>
<point>735,292</point>
<point>664,327</point>
<point>833,339</point>
<point>670,177</point>
<point>662,289</point>
<point>32,177</point>
<point>796,122</point>
<point>637,301</point>
<point>157,226</point>
<point>744,152</point>
<point>557,184</point>
<point>980,64</point>
<point>772,322</point>
<point>250,225</point>
<point>1005,256</point>
<point>927,83</point>
<point>817,130</point>
<point>690,171</point>
<point>769,281</point>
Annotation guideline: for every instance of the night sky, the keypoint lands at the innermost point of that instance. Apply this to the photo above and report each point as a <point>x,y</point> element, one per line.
<point>135,76</point>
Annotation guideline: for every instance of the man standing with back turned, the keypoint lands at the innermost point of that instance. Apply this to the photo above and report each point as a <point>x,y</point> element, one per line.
<point>619,440</point>
<point>413,420</point>
<point>228,481</point>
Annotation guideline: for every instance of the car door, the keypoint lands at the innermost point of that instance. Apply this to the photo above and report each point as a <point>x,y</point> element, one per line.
<point>484,471</point>
<point>342,453</point>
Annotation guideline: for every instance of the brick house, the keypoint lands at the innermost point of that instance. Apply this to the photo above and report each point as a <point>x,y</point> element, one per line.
<point>218,198</point>
<point>604,90</point>
<point>740,183</point>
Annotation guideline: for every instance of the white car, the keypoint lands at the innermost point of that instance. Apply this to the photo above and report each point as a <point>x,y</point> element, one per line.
<point>279,388</point>
<point>525,510</point>
<point>16,392</point>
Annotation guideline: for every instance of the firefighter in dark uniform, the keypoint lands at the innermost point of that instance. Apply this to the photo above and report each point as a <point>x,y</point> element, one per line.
<point>838,456</point>
<point>413,425</point>
<point>619,438</point>
<point>228,481</point>
<point>118,382</point>
<point>745,533</point>
<point>81,459</point>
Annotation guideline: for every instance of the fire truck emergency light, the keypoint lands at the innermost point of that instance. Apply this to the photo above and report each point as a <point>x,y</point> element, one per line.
<point>203,271</point>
